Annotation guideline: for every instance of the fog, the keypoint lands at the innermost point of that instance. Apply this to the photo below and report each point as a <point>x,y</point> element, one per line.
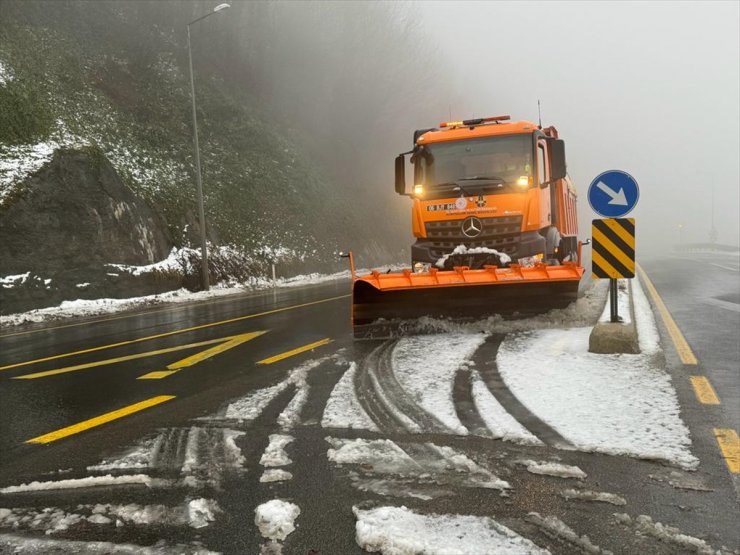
<point>648,88</point>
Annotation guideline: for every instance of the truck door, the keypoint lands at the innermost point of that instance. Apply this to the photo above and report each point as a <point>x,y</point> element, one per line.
<point>543,177</point>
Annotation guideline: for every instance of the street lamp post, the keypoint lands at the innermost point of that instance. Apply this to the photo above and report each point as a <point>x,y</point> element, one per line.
<point>199,182</point>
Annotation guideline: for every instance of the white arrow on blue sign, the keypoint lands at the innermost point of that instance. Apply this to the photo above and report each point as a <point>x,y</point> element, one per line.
<point>613,194</point>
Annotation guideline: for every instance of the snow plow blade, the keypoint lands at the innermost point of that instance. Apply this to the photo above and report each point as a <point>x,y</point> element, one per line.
<point>381,302</point>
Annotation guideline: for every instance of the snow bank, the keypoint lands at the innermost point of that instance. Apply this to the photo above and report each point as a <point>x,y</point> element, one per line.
<point>437,358</point>
<point>95,307</point>
<point>616,404</point>
<point>343,409</point>
<point>400,531</point>
<point>585,311</point>
<point>275,518</point>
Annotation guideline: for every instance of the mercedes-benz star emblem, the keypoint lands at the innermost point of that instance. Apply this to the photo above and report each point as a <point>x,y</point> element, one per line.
<point>472,227</point>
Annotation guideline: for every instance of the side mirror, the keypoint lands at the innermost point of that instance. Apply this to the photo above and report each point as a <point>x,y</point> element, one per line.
<point>557,159</point>
<point>401,174</point>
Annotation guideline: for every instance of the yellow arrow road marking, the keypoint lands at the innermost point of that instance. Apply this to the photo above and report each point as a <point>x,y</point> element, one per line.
<point>227,343</point>
<point>203,355</point>
<point>213,351</point>
<point>682,346</point>
<point>294,352</point>
<point>729,444</point>
<point>167,334</point>
<point>158,375</point>
<point>704,390</point>
<point>100,420</point>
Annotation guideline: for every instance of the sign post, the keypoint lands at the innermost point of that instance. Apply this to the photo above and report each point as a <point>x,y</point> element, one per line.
<point>612,195</point>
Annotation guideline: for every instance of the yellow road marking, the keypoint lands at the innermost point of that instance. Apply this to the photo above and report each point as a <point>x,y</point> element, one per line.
<point>169,333</point>
<point>226,343</point>
<point>213,351</point>
<point>100,420</point>
<point>76,367</point>
<point>729,444</point>
<point>158,375</point>
<point>704,390</point>
<point>296,351</point>
<point>682,346</point>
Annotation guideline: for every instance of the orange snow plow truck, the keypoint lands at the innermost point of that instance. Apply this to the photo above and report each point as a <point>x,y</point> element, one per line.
<point>494,216</point>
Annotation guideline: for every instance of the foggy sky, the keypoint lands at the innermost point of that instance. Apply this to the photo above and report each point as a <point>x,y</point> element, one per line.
<point>648,88</point>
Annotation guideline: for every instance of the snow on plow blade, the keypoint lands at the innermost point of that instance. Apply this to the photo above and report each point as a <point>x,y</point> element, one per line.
<point>380,301</point>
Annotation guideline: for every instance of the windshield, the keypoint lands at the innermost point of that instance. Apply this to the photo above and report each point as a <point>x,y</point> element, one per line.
<point>496,161</point>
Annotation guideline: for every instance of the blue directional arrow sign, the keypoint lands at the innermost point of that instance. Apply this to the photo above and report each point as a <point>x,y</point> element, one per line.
<point>613,194</point>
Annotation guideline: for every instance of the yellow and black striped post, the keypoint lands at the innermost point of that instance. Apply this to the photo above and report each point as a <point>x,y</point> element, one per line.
<point>613,248</point>
<point>613,254</point>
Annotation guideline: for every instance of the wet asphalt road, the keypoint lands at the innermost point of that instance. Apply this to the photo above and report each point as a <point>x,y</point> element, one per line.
<point>703,504</point>
<point>706,306</point>
<point>34,407</point>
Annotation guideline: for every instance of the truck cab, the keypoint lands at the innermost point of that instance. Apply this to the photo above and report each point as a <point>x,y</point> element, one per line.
<point>489,192</point>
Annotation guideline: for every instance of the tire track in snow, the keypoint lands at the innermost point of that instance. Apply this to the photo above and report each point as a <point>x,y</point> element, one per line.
<point>465,408</point>
<point>385,400</point>
<point>485,362</point>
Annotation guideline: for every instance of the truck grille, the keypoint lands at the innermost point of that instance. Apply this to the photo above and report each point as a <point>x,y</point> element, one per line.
<point>500,233</point>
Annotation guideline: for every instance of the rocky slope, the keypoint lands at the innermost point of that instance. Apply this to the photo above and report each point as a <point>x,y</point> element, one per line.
<point>96,164</point>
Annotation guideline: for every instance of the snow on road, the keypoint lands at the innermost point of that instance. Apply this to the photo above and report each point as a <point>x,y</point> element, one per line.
<point>401,531</point>
<point>499,422</point>
<point>620,404</point>
<point>196,513</point>
<point>599,496</point>
<point>20,545</point>
<point>388,459</point>
<point>275,519</point>
<point>583,312</point>
<point>343,409</point>
<point>275,454</point>
<point>89,482</point>
<point>553,526</point>
<point>554,469</point>
<point>425,367</point>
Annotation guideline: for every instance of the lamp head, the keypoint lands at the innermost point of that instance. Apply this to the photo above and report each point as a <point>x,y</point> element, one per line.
<point>221,7</point>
